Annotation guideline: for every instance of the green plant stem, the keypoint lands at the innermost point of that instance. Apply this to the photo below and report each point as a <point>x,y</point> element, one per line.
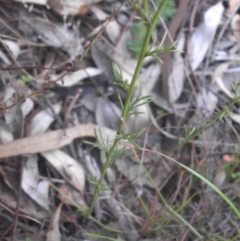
<point>145,7</point>
<point>147,38</point>
<point>206,125</point>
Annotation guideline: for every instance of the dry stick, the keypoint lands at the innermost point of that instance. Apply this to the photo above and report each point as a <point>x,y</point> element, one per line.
<point>18,200</point>
<point>21,215</point>
<point>189,41</point>
<point>193,14</point>
<point>166,57</point>
<point>66,116</point>
<point>52,140</point>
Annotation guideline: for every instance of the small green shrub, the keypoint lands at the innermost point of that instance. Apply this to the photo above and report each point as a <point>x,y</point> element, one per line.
<point>139,29</point>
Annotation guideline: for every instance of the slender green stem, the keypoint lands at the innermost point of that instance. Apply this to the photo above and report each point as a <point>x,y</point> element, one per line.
<point>129,97</point>
<point>145,7</point>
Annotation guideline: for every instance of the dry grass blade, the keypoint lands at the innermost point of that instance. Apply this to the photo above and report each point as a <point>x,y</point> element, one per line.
<point>52,140</point>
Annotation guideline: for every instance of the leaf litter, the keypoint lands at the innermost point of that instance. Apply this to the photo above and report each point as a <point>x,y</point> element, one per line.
<point>46,132</point>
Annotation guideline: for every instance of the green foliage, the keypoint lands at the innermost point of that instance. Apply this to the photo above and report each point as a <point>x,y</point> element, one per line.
<point>26,79</point>
<point>136,43</point>
<point>232,168</point>
<point>160,112</point>
<point>113,148</point>
<point>117,72</point>
<point>139,28</point>
<point>170,9</point>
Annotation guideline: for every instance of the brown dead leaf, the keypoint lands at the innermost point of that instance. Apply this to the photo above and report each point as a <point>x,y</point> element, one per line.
<point>26,205</point>
<point>220,179</point>
<point>139,120</point>
<point>69,168</point>
<point>233,5</point>
<point>70,196</point>
<point>74,78</point>
<point>204,34</point>
<point>32,185</point>
<point>235,117</point>
<point>235,25</point>
<point>12,46</point>
<point>228,158</point>
<point>176,78</point>
<point>51,33</point>
<point>42,120</point>
<point>206,103</point>
<point>101,56</point>
<point>26,107</point>
<point>39,2</point>
<point>53,140</point>
<point>70,7</point>
<point>5,133</point>
<point>13,117</point>
<point>107,113</point>
<point>113,29</point>
<point>133,172</point>
<point>218,78</point>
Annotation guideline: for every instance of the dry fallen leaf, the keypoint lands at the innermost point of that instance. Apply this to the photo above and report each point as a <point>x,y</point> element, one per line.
<point>234,117</point>
<point>107,113</point>
<point>133,172</point>
<point>5,133</point>
<point>148,77</point>
<point>113,29</point>
<point>139,120</point>
<point>71,197</point>
<point>70,7</point>
<point>204,34</point>
<point>13,117</point>
<point>53,233</point>
<point>27,106</point>
<point>4,58</point>
<point>235,25</point>
<point>233,5</point>
<point>206,103</point>
<point>69,168</point>
<point>74,78</point>
<point>12,46</point>
<point>220,179</point>
<point>228,158</point>
<point>101,55</point>
<point>42,120</point>
<point>176,78</point>
<point>217,77</point>
<point>32,185</point>
<point>39,2</point>
<point>52,34</point>
<point>26,205</point>
<point>53,140</point>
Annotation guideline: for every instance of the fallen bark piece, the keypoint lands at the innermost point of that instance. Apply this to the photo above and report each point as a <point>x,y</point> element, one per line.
<point>52,140</point>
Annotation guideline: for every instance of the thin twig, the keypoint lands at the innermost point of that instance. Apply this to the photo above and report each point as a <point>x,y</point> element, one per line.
<point>18,200</point>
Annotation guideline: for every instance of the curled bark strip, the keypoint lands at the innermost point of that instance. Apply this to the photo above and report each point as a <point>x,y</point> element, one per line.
<point>52,140</point>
